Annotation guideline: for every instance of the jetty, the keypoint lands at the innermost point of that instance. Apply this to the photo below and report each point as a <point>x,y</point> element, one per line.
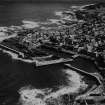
<point>43,63</point>
<point>95,75</point>
<point>20,54</point>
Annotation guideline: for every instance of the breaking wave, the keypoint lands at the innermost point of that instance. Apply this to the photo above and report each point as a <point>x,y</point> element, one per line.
<point>30,24</point>
<point>58,13</point>
<point>32,96</point>
<point>16,57</point>
<point>55,21</point>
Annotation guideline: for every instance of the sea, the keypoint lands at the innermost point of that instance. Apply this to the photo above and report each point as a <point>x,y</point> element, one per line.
<point>21,83</point>
<point>14,14</point>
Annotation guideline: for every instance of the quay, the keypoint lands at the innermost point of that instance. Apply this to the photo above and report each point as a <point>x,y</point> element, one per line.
<point>58,61</point>
<point>37,61</point>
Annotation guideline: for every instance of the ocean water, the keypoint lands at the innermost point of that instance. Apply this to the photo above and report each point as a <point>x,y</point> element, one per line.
<point>14,14</point>
<point>21,82</point>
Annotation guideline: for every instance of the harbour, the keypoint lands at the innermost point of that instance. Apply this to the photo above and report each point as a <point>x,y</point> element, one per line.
<point>51,55</point>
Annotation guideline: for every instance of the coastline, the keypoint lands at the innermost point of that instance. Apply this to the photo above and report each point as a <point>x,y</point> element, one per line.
<point>44,67</point>
<point>31,25</point>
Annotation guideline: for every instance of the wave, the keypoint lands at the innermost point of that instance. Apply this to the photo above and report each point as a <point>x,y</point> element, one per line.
<point>45,23</point>
<point>55,21</point>
<point>32,96</point>
<point>3,28</point>
<point>4,36</point>
<point>30,24</point>
<point>75,7</point>
<point>14,28</point>
<point>15,56</point>
<point>58,13</point>
<point>82,7</point>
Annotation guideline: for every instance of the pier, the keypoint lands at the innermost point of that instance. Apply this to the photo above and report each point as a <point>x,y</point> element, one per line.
<point>20,54</point>
<point>95,75</point>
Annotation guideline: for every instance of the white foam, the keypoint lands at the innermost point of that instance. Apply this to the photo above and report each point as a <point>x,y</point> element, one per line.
<point>75,7</point>
<point>45,23</point>
<point>58,13</point>
<point>30,24</point>
<point>54,21</point>
<point>29,96</point>
<point>82,7</point>
<point>67,18</point>
<point>15,57</point>
<point>45,28</point>
<point>14,28</point>
<point>74,84</point>
<point>4,36</point>
<point>3,29</point>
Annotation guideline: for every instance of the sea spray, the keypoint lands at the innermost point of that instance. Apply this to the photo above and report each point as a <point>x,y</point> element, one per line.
<point>59,13</point>
<point>29,24</point>
<point>74,84</point>
<point>33,96</point>
<point>4,36</point>
<point>16,57</point>
<point>55,21</point>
